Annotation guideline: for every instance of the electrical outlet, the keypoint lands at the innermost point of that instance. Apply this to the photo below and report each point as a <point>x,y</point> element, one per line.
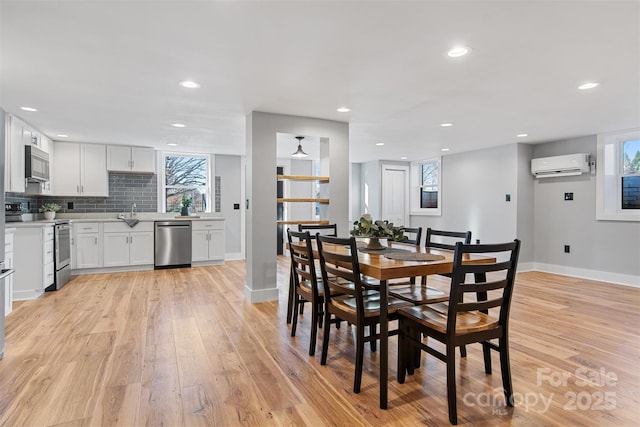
<point>568,196</point>
<point>567,249</point>
<point>507,197</point>
<point>69,205</point>
<point>236,206</point>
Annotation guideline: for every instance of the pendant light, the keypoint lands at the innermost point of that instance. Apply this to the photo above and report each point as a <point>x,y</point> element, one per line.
<point>299,153</point>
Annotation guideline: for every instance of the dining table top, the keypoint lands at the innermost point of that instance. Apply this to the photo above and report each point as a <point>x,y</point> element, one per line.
<point>375,264</point>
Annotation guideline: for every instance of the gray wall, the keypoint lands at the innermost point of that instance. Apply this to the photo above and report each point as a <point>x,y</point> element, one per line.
<point>610,246</point>
<point>370,187</point>
<point>260,220</point>
<point>474,185</point>
<point>228,168</point>
<point>524,199</point>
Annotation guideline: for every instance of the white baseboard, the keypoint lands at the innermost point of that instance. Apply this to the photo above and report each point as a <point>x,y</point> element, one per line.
<point>233,256</point>
<point>26,295</point>
<point>603,276</point>
<point>526,266</point>
<point>261,295</point>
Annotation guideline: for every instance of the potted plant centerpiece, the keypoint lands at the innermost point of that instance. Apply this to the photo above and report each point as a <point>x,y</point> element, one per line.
<point>186,203</point>
<point>50,210</point>
<point>374,230</point>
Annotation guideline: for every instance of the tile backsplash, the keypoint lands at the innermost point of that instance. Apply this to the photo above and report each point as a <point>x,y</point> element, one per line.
<point>124,189</point>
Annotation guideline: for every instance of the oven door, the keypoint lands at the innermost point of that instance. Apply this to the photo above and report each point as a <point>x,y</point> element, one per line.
<point>63,245</point>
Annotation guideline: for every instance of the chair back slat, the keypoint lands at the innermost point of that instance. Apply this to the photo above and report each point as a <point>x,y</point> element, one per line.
<point>482,268</point>
<point>483,286</point>
<point>322,229</point>
<point>339,259</point>
<point>480,306</point>
<point>452,238</point>
<point>496,293</point>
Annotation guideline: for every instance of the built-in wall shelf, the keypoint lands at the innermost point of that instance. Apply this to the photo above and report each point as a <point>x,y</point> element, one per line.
<point>316,222</point>
<point>283,200</point>
<point>304,178</point>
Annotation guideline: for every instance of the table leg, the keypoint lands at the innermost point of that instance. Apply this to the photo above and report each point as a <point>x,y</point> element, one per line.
<point>384,343</point>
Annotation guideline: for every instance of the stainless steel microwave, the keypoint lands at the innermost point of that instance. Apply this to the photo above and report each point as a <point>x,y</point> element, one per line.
<point>36,164</point>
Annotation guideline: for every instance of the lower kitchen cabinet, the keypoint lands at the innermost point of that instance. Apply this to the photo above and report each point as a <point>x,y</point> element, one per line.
<point>207,243</point>
<point>33,260</point>
<point>86,245</point>
<point>124,247</point>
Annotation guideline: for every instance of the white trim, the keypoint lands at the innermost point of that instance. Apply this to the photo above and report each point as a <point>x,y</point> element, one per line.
<point>604,208</point>
<point>234,256</point>
<point>243,206</point>
<point>603,276</point>
<point>415,181</point>
<point>27,295</point>
<point>526,266</point>
<point>260,295</point>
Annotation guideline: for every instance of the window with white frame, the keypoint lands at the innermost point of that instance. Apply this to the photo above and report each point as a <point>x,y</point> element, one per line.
<point>426,187</point>
<point>618,176</point>
<point>186,177</point>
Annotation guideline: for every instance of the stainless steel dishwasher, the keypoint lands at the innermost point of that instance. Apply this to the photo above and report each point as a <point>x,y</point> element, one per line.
<point>172,244</point>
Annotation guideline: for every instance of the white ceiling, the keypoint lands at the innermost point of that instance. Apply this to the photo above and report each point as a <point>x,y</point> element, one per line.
<point>107,71</point>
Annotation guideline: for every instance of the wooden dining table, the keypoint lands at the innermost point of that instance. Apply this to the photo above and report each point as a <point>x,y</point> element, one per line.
<point>374,264</point>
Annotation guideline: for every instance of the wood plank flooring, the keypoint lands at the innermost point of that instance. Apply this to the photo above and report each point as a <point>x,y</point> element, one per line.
<point>183,348</point>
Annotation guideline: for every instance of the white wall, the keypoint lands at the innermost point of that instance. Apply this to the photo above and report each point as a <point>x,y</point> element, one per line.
<point>228,168</point>
<point>607,250</point>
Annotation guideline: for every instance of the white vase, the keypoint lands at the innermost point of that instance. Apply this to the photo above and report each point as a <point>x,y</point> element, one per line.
<point>49,215</point>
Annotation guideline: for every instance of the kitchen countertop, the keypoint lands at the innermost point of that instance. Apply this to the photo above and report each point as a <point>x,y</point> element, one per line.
<point>113,217</point>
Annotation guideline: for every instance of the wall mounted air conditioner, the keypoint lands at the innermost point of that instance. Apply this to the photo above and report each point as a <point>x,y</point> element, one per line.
<point>571,164</point>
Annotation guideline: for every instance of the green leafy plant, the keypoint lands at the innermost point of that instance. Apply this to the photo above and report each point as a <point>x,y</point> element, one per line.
<point>186,201</point>
<point>50,207</point>
<point>367,227</point>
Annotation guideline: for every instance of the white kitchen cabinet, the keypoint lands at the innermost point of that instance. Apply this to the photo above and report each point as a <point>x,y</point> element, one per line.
<point>125,246</point>
<point>130,159</point>
<point>80,170</point>
<point>207,241</point>
<point>86,245</point>
<point>14,155</point>
<point>33,260</point>
<point>8,263</point>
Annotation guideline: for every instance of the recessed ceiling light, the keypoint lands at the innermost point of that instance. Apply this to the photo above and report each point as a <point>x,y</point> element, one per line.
<point>30,109</point>
<point>178,125</point>
<point>62,135</point>
<point>444,149</point>
<point>189,84</point>
<point>446,125</point>
<point>403,158</point>
<point>588,85</point>
<point>458,51</point>
<point>522,135</point>
<point>379,144</point>
<point>343,110</point>
<point>172,144</point>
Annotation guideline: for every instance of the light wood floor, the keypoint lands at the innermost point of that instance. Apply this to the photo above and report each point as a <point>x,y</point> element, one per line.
<point>183,347</point>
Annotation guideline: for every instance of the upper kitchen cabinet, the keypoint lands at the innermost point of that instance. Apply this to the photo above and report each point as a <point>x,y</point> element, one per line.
<point>20,134</point>
<point>80,170</point>
<point>121,158</point>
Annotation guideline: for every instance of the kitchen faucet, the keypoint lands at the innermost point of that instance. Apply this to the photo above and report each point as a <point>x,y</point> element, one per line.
<point>133,206</point>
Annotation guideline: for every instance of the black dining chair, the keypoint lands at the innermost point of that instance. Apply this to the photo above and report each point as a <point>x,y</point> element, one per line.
<point>458,323</point>
<point>346,298</point>
<point>307,286</point>
<point>415,235</point>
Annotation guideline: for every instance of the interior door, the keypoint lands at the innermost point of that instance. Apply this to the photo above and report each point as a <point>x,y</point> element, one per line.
<point>395,188</point>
